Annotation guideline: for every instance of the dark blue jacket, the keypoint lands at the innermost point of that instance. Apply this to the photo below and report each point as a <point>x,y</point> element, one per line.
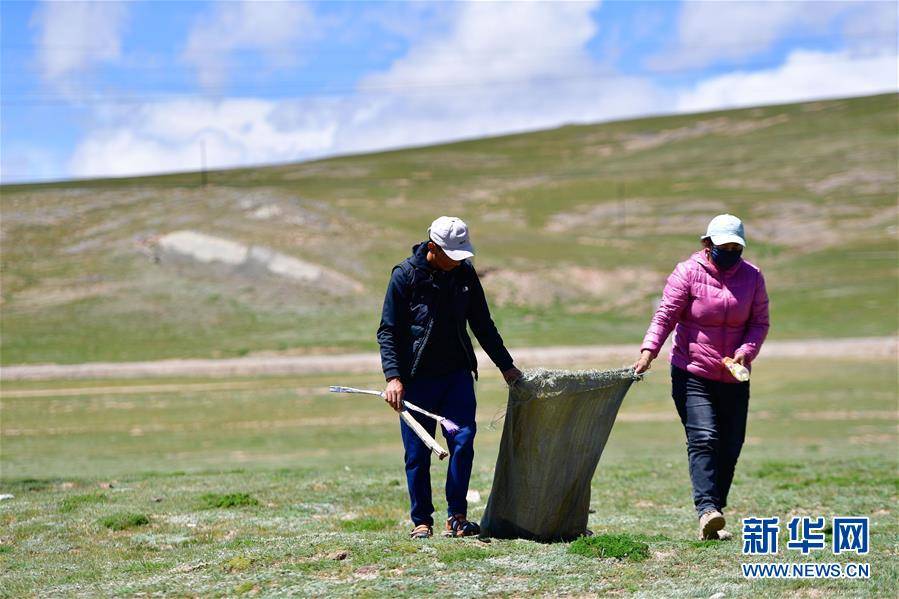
<point>410,311</point>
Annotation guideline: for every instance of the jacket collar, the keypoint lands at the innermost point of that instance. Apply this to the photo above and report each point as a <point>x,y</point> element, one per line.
<point>419,257</point>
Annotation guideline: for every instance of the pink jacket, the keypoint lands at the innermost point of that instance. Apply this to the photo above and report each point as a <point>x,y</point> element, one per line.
<point>714,314</point>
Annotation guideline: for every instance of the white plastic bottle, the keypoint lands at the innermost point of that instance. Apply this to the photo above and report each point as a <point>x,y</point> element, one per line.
<point>740,372</point>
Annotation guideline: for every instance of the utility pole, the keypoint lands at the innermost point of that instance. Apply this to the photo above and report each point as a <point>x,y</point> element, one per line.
<point>203,162</point>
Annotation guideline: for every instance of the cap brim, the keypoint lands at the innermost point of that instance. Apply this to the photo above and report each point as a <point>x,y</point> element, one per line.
<point>722,239</point>
<point>461,253</point>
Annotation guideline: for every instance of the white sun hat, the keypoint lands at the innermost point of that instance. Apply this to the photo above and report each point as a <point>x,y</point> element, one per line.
<point>725,228</point>
<point>451,234</point>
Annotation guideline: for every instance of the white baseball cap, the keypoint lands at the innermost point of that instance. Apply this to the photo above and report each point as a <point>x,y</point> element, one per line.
<point>725,228</point>
<point>451,234</point>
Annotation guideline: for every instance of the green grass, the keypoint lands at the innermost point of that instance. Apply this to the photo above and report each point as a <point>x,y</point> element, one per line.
<point>328,477</point>
<point>620,546</point>
<point>210,501</point>
<point>124,520</point>
<point>73,502</point>
<point>453,555</point>
<point>586,222</point>
<point>366,524</point>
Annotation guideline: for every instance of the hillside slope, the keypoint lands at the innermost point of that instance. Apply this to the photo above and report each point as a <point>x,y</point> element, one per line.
<point>576,229</point>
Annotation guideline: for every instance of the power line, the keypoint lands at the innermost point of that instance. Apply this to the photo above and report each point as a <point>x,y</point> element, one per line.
<point>533,48</point>
<point>334,92</point>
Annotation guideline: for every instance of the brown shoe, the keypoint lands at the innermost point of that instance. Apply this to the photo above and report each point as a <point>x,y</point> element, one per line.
<point>422,531</point>
<point>459,526</point>
<point>709,524</point>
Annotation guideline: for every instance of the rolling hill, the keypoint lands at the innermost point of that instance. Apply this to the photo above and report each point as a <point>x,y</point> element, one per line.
<point>576,229</point>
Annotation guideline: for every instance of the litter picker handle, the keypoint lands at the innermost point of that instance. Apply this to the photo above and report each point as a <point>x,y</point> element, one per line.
<point>427,439</point>
<point>411,406</point>
<point>339,389</point>
<point>417,428</point>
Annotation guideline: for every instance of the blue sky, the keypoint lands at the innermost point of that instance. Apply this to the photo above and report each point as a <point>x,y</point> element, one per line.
<point>112,89</point>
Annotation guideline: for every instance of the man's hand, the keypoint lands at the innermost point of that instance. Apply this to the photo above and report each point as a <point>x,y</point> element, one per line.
<point>511,375</point>
<point>740,359</point>
<point>393,395</point>
<point>643,364</point>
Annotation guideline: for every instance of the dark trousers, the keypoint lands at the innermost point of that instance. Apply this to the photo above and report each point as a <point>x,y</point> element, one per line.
<point>714,418</point>
<point>450,396</point>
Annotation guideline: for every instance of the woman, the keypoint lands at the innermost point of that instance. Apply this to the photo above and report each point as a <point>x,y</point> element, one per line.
<point>717,305</point>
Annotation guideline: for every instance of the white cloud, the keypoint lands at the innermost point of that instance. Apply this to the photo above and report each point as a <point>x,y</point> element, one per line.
<point>167,136</point>
<point>497,67</point>
<point>75,36</point>
<point>270,27</point>
<point>715,32</point>
<point>804,76</point>
<point>29,162</point>
<point>499,41</point>
<point>490,68</point>
<point>872,27</point>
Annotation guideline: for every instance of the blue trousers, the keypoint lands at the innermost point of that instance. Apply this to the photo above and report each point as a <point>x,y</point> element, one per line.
<point>714,417</point>
<point>450,396</point>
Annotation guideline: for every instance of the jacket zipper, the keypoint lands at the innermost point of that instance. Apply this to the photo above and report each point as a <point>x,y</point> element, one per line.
<point>724,331</point>
<point>467,354</point>
<point>421,348</point>
<point>424,343</point>
<point>427,335</point>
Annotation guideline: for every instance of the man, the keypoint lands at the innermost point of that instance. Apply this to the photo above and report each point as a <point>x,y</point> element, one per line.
<point>428,358</point>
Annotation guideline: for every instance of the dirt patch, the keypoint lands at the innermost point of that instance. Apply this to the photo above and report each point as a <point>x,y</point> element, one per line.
<point>862,180</point>
<point>506,217</point>
<point>800,224</point>
<point>251,425</point>
<point>327,170</point>
<point>601,145</point>
<point>56,206</point>
<point>654,215</point>
<point>204,249</point>
<point>541,288</point>
<point>178,388</point>
<point>873,348</point>
<point>716,126</point>
<point>38,298</point>
<point>808,226</point>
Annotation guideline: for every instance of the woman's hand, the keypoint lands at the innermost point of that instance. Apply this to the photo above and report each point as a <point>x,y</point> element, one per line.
<point>643,364</point>
<point>394,394</point>
<point>740,359</point>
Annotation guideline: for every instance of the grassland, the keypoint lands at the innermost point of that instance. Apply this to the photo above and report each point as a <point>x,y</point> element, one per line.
<point>280,489</point>
<point>576,229</point>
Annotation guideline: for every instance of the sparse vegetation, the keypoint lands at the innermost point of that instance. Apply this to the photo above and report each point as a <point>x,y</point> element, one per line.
<point>332,512</point>
<point>271,486</point>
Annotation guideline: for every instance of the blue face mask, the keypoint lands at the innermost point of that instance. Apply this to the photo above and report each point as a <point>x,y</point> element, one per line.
<point>724,259</point>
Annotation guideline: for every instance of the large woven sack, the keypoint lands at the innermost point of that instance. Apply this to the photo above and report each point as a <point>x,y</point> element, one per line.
<point>556,426</point>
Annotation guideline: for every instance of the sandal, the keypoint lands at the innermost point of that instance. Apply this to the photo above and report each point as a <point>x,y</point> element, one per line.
<point>422,531</point>
<point>459,526</point>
